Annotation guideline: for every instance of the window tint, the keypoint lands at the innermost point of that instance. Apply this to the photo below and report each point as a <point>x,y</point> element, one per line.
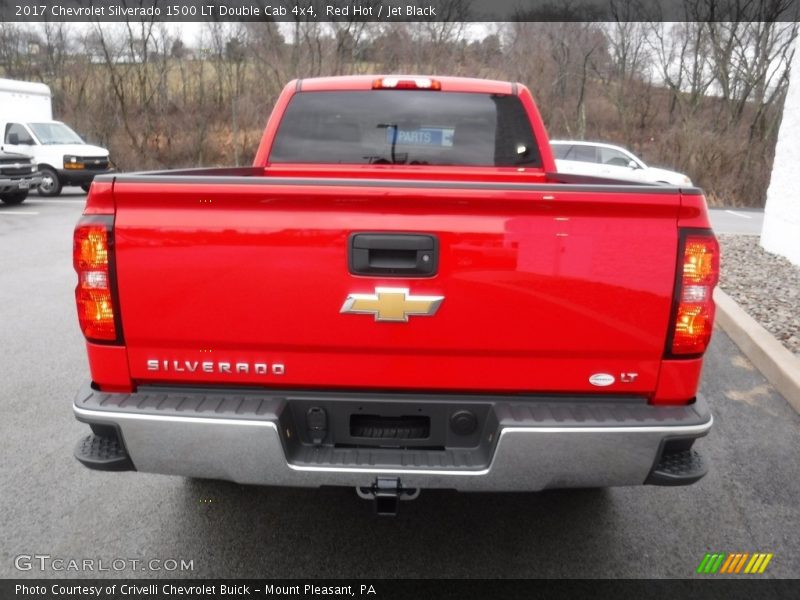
<point>560,150</point>
<point>405,127</point>
<point>582,153</point>
<point>23,137</point>
<point>609,156</point>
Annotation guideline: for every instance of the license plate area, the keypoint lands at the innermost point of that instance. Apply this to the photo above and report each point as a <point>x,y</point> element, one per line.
<point>379,423</point>
<point>406,427</point>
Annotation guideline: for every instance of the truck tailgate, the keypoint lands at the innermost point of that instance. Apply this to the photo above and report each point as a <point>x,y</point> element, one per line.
<point>543,286</point>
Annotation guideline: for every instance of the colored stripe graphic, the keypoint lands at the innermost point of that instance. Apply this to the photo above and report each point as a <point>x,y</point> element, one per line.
<point>751,564</point>
<point>737,558</point>
<point>729,562</point>
<point>718,563</point>
<point>703,563</point>
<point>741,561</point>
<point>711,562</point>
<point>766,562</point>
<point>724,563</point>
<point>757,566</point>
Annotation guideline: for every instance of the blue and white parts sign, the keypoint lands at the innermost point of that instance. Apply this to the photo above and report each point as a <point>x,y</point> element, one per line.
<point>441,137</point>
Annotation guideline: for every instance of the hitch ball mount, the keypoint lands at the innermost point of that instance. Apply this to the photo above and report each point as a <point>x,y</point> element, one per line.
<point>387,493</point>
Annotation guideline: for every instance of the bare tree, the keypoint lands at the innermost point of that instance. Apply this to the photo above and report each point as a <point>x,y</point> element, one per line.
<point>628,78</point>
<point>702,95</point>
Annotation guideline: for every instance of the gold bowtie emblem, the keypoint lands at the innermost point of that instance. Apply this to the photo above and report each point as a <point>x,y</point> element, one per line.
<point>392,304</point>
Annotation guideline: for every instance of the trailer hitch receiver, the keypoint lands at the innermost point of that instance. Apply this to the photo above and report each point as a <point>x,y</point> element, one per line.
<point>387,493</point>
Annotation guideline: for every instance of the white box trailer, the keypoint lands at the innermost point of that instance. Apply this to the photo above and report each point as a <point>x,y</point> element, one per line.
<point>27,126</point>
<point>26,100</point>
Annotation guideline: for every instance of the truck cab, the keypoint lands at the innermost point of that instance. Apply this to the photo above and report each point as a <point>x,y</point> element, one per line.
<point>28,127</point>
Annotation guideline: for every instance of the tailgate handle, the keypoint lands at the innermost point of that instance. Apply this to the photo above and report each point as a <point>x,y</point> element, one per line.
<point>393,254</point>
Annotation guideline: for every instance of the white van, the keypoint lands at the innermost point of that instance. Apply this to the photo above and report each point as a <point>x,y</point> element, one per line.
<point>27,126</point>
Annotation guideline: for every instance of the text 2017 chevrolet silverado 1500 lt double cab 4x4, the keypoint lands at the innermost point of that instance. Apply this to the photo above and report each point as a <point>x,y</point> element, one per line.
<point>401,293</point>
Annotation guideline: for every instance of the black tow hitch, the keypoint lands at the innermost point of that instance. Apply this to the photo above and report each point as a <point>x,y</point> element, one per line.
<point>387,493</point>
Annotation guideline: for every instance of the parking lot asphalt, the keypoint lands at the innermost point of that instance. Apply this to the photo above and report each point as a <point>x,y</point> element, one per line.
<point>51,505</point>
<point>742,221</point>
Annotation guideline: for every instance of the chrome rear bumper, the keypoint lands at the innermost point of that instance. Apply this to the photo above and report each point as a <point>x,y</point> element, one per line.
<point>525,444</point>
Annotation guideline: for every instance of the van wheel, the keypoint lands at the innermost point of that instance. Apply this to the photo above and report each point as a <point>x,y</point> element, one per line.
<point>14,197</point>
<point>85,187</point>
<point>50,186</point>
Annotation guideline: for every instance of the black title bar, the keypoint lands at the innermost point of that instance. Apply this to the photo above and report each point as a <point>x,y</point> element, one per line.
<point>383,589</point>
<point>389,11</point>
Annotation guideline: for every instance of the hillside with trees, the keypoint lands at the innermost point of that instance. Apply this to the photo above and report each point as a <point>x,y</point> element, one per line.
<point>704,98</point>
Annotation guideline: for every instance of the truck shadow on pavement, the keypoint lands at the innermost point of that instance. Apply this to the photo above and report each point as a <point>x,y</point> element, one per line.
<point>330,532</point>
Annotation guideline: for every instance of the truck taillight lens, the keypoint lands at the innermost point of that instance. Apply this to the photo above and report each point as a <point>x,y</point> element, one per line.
<point>693,313</point>
<point>94,294</point>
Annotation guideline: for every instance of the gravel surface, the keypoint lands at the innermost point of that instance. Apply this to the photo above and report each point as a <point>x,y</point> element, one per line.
<point>765,285</point>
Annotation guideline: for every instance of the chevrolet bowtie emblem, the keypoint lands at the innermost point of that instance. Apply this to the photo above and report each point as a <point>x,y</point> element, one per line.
<point>392,304</point>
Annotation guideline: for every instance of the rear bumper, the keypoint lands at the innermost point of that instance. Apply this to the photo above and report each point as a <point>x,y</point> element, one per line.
<point>523,443</point>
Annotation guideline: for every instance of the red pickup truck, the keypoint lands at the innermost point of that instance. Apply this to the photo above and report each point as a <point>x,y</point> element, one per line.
<point>400,293</point>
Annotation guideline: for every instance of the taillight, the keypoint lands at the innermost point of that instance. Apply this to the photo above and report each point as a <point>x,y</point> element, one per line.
<point>693,310</point>
<point>92,255</point>
<point>406,83</point>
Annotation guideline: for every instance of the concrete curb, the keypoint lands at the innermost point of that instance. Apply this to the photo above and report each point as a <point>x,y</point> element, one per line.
<point>776,363</point>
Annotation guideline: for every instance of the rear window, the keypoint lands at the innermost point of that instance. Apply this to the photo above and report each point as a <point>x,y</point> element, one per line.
<point>405,127</point>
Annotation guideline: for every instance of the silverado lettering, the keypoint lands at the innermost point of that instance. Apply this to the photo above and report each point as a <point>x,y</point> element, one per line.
<point>456,313</point>
<point>207,366</point>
